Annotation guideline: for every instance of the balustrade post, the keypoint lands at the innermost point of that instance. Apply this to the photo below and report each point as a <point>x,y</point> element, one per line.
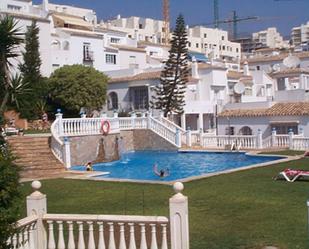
<point>179,221</point>
<point>67,153</point>
<point>259,139</point>
<point>301,132</point>
<point>37,205</point>
<point>148,120</point>
<point>133,117</point>
<point>115,115</point>
<point>178,138</point>
<point>189,137</point>
<point>291,136</point>
<point>201,137</point>
<point>83,115</point>
<point>60,123</point>
<point>273,137</point>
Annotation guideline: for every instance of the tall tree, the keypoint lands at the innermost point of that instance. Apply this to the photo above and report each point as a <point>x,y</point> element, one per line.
<point>169,94</point>
<point>30,71</point>
<point>10,39</point>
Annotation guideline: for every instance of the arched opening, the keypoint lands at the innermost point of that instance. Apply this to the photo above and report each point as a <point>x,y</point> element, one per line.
<point>66,45</point>
<point>246,131</point>
<point>112,102</point>
<point>55,44</point>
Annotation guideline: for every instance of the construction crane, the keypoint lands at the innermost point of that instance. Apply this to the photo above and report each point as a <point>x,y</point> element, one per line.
<point>216,13</point>
<point>234,20</point>
<point>166,21</point>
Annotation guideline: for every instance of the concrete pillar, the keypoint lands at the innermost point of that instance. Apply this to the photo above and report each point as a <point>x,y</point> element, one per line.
<point>183,121</point>
<point>83,115</point>
<point>273,137</point>
<point>179,220</point>
<point>37,205</point>
<point>200,121</point>
<point>60,125</point>
<point>301,132</point>
<point>259,141</point>
<point>133,116</point>
<point>115,115</point>
<point>189,138</point>
<point>67,153</point>
<point>178,138</point>
<point>201,137</point>
<point>291,136</point>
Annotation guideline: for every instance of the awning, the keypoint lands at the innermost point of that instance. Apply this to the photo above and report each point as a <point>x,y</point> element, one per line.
<point>71,20</point>
<point>198,56</point>
<point>284,122</point>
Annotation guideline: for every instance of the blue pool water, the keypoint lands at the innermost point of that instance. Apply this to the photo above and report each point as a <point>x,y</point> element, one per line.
<point>138,165</point>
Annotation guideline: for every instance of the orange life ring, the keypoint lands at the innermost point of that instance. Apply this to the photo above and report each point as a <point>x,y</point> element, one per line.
<point>105,127</point>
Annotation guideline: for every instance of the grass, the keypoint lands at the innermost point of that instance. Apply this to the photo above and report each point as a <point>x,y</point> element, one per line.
<point>245,210</point>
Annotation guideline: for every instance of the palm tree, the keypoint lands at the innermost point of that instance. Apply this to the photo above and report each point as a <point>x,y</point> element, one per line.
<point>10,39</point>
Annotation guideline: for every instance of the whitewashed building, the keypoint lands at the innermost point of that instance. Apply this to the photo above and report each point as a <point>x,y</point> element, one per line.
<point>300,34</point>
<point>270,38</point>
<point>214,43</point>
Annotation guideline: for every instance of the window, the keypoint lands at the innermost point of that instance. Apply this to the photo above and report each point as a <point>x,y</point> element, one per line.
<point>163,29</point>
<point>139,95</point>
<point>245,131</point>
<point>13,7</point>
<point>222,38</point>
<point>110,59</point>
<point>130,36</point>
<point>223,47</point>
<point>258,68</point>
<point>115,40</point>
<point>237,50</point>
<point>206,45</point>
<point>112,101</point>
<point>140,26</point>
<point>205,35</point>
<point>196,45</point>
<point>189,44</point>
<point>285,128</point>
<point>201,45</point>
<point>230,131</point>
<point>88,54</point>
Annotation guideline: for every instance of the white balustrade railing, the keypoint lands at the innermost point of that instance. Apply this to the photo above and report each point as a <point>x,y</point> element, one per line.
<point>171,125</point>
<point>81,231</point>
<point>165,132</point>
<point>300,143</point>
<point>88,231</point>
<point>281,141</point>
<point>57,145</point>
<point>267,142</point>
<point>247,142</point>
<point>25,237</point>
<point>196,137</point>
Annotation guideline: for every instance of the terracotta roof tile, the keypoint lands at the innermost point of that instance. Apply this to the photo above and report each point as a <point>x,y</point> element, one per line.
<point>145,76</point>
<point>120,47</point>
<point>279,109</point>
<point>290,71</point>
<point>279,57</point>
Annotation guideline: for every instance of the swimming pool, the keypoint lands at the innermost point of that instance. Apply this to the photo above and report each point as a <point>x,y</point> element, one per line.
<point>138,165</point>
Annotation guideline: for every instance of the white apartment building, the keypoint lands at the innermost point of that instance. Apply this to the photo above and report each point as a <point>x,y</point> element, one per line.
<point>69,35</point>
<point>139,28</point>
<point>214,43</point>
<point>300,35</point>
<point>270,38</point>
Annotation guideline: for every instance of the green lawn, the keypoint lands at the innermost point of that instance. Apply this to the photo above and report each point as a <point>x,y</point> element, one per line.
<point>240,210</point>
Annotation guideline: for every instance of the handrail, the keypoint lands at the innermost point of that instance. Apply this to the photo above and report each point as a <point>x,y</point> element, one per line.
<point>26,221</point>
<point>170,123</point>
<point>115,218</point>
<point>56,143</point>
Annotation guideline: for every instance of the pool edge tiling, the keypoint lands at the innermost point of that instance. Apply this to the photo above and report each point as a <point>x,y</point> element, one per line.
<point>137,172</point>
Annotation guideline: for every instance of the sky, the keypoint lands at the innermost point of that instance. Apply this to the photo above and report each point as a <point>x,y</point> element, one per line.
<point>283,14</point>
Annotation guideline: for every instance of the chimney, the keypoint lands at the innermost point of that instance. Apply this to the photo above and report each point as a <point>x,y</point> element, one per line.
<point>194,68</point>
<point>246,69</point>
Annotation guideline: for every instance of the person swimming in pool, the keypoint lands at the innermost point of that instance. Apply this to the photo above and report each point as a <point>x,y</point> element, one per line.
<point>161,173</point>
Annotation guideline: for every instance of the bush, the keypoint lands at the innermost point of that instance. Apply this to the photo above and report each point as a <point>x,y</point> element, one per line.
<point>77,86</point>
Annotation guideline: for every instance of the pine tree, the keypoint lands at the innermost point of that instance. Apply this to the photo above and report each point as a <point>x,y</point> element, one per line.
<point>30,71</point>
<point>169,94</point>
